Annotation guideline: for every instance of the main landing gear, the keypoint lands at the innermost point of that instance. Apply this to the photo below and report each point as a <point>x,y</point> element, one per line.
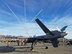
<point>32,46</point>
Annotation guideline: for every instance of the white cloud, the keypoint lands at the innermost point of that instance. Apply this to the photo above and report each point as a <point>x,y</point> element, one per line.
<point>24,29</point>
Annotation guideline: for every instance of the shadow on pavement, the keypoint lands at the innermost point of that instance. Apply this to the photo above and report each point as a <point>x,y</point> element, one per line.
<point>4,49</point>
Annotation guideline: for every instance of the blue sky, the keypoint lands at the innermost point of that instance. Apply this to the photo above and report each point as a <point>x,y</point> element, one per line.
<point>17,17</point>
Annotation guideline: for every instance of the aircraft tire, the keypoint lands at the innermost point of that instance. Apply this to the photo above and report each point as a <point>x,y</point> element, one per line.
<point>46,47</point>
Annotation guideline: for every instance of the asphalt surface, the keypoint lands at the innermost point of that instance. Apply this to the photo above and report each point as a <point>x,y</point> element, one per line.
<point>38,49</point>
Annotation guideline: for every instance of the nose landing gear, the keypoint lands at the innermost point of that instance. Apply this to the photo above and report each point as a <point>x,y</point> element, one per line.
<point>46,47</point>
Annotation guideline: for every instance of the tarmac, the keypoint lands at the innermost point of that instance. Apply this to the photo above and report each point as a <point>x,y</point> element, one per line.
<point>38,49</point>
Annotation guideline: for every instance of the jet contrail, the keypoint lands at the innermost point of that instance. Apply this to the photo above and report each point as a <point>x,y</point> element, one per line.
<point>26,30</point>
<point>16,15</point>
<point>37,14</point>
<point>25,10</point>
<point>12,12</point>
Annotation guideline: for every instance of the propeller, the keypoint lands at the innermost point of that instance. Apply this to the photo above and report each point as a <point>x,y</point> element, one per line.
<point>58,29</point>
<point>63,29</point>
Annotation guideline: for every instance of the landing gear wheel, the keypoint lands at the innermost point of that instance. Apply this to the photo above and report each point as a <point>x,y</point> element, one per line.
<point>31,49</point>
<point>32,46</point>
<point>46,47</point>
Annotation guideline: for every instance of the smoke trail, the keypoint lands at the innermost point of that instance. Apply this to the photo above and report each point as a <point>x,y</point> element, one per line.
<point>25,10</point>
